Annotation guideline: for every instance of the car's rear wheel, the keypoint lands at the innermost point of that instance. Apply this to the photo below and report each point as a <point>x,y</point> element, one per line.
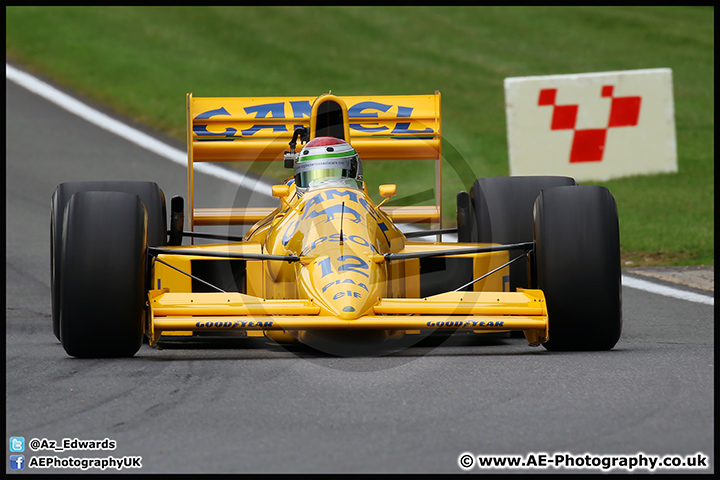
<point>503,213</point>
<point>150,194</point>
<point>102,273</point>
<point>578,266</point>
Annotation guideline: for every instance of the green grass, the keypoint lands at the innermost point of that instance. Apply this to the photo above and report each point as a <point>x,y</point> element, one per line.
<point>140,61</point>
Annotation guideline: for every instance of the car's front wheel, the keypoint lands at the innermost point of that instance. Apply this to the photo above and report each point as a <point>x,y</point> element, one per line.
<point>102,276</point>
<point>152,197</point>
<point>578,266</point>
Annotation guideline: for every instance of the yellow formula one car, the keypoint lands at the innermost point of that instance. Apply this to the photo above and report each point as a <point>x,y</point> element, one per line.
<point>329,267</point>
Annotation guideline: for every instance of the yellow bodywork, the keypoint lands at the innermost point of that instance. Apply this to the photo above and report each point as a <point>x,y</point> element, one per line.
<point>342,279</point>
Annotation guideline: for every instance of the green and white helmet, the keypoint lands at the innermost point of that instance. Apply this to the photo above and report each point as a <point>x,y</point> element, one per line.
<point>327,162</point>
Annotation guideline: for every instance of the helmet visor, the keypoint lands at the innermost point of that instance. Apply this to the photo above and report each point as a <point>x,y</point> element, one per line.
<point>304,180</point>
<point>319,169</point>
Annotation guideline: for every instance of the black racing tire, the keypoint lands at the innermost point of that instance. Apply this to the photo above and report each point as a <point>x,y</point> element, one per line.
<point>103,275</point>
<point>503,213</point>
<point>578,267</point>
<point>152,197</point>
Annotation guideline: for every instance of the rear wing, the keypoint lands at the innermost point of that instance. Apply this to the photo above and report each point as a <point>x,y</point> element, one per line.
<point>379,127</point>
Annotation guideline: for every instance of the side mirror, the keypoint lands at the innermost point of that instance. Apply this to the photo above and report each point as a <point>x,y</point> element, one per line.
<point>280,191</point>
<point>387,191</point>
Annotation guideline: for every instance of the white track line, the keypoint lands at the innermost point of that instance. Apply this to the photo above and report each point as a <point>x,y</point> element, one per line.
<point>665,290</point>
<point>130,134</point>
<point>173,154</point>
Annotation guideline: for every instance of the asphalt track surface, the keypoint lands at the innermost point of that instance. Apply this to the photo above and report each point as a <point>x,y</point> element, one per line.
<point>252,408</point>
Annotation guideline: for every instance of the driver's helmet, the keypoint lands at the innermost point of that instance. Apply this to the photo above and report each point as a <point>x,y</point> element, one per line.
<point>327,162</point>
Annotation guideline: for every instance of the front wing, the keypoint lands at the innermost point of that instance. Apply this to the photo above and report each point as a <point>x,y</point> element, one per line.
<point>173,314</point>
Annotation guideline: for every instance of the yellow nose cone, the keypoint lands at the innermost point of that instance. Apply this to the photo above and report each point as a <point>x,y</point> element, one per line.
<point>349,305</point>
<point>345,293</point>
